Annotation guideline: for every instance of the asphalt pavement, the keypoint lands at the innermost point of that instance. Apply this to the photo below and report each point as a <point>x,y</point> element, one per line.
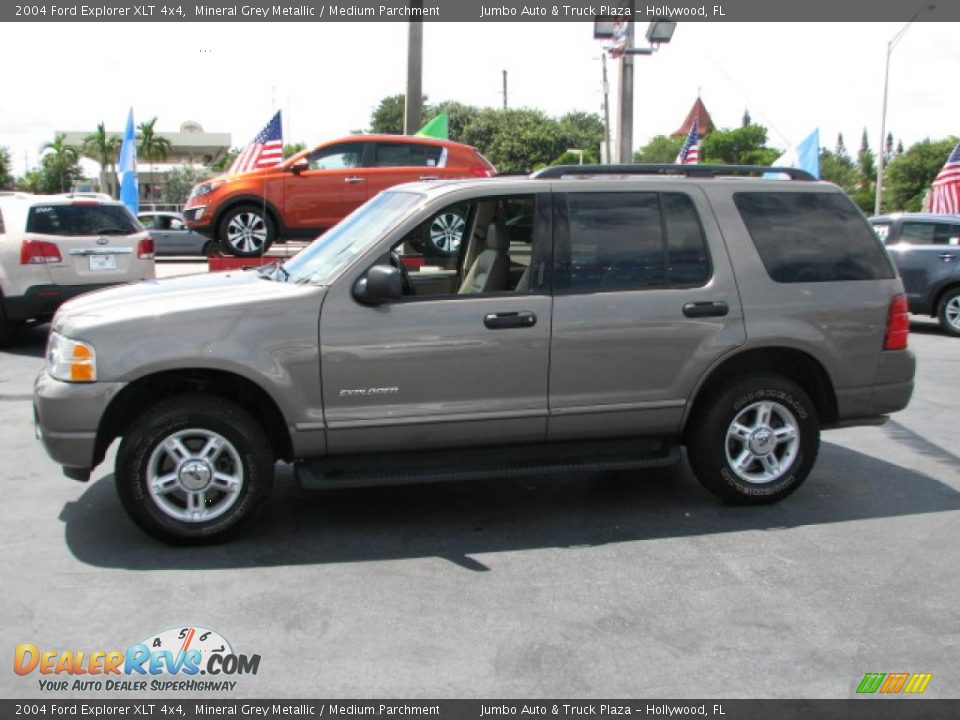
<point>596,585</point>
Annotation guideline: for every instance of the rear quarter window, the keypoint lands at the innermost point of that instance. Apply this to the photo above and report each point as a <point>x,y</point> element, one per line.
<point>812,237</point>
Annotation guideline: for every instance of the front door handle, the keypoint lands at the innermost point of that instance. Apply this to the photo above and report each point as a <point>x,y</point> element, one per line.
<point>352,180</point>
<point>706,309</point>
<point>429,177</point>
<point>502,321</point>
<point>948,257</point>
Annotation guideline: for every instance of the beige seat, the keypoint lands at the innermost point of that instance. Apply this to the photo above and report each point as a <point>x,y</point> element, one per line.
<point>491,270</point>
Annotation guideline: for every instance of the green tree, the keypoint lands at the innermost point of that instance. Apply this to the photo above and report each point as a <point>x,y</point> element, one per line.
<point>388,116</point>
<point>840,170</point>
<point>742,146</point>
<point>458,116</point>
<point>180,180</point>
<point>292,149</point>
<point>100,147</point>
<point>515,140</point>
<point>32,181</point>
<point>909,175</point>
<point>56,174</point>
<point>841,151</point>
<point>226,160</point>
<point>60,160</point>
<point>583,131</point>
<point>747,121</point>
<point>865,196</point>
<point>150,145</point>
<point>661,149</point>
<point>6,174</point>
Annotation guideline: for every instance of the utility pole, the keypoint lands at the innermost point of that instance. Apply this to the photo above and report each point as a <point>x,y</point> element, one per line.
<point>625,123</point>
<point>414,97</point>
<point>606,110</point>
<point>504,89</point>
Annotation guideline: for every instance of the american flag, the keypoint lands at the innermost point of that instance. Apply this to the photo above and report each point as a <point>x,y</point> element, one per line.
<point>265,150</point>
<point>690,152</point>
<point>945,193</point>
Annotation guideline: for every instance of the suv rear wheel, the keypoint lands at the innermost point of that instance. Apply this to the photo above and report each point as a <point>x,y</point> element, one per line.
<point>949,312</point>
<point>247,231</point>
<point>755,441</point>
<point>193,468</point>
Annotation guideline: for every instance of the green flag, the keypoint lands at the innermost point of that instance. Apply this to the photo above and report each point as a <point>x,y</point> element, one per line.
<point>436,128</point>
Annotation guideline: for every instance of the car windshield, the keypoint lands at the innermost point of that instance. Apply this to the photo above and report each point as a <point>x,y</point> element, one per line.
<point>321,261</point>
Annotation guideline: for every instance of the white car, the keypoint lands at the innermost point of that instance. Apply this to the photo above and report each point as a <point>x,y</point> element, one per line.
<point>55,247</point>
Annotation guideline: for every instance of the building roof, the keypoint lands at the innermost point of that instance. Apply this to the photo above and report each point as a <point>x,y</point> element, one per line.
<point>190,144</point>
<point>699,113</point>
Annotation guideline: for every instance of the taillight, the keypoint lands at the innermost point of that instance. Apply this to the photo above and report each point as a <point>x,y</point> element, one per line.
<point>38,252</point>
<point>482,172</point>
<point>145,249</point>
<point>898,324</point>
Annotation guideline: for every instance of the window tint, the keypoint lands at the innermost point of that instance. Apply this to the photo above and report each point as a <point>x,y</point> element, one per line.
<point>81,220</point>
<point>336,157</point>
<point>914,233</point>
<point>687,262</point>
<point>812,237</point>
<point>148,221</point>
<point>615,242</point>
<point>631,240</point>
<point>406,155</point>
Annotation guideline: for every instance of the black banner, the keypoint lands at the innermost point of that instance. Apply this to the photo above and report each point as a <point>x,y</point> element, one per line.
<point>473,11</point>
<point>858,709</point>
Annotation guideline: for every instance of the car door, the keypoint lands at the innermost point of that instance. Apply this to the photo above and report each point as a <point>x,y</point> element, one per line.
<point>644,302</point>
<point>927,254</point>
<point>327,189</point>
<point>394,162</point>
<point>444,370</point>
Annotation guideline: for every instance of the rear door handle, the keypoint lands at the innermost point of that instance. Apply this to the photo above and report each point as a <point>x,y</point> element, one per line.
<point>705,309</point>
<point>948,257</point>
<point>502,321</point>
<point>429,177</point>
<point>352,180</point>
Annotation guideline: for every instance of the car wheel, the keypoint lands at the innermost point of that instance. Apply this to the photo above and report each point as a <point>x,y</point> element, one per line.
<point>193,468</point>
<point>247,231</point>
<point>6,327</point>
<point>755,441</point>
<point>444,234</point>
<point>948,313</point>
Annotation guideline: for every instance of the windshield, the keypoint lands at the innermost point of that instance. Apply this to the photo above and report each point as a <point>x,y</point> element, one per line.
<point>326,256</point>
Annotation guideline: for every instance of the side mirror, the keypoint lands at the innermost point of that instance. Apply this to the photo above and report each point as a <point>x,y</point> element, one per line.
<point>378,285</point>
<point>299,166</point>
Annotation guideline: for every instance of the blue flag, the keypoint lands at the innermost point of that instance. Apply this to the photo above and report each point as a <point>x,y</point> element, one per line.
<point>129,190</point>
<point>805,156</point>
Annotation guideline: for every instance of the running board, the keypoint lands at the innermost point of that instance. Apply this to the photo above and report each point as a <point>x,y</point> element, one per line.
<point>513,461</point>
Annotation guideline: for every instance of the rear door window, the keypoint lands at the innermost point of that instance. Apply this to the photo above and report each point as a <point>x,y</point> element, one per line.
<point>812,237</point>
<point>80,219</point>
<point>395,154</point>
<point>917,233</point>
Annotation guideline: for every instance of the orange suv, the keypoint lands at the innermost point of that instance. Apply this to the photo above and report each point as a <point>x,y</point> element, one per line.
<point>317,188</point>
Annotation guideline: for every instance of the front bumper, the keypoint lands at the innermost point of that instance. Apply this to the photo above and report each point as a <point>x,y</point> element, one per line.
<point>67,416</point>
<point>198,219</point>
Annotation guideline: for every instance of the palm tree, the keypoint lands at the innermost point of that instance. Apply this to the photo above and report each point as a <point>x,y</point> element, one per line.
<point>65,156</point>
<point>150,145</point>
<point>104,149</point>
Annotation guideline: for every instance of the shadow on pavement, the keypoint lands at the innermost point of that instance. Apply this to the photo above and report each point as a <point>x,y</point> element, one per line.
<point>28,340</point>
<point>458,520</point>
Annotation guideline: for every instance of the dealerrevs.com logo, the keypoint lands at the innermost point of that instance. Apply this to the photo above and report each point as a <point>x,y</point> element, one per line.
<point>173,660</point>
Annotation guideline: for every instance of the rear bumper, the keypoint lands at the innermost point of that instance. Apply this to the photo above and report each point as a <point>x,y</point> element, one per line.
<point>40,302</point>
<point>891,391</point>
<point>67,416</point>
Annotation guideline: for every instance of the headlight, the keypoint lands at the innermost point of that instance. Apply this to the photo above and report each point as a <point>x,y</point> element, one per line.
<point>205,188</point>
<point>71,360</point>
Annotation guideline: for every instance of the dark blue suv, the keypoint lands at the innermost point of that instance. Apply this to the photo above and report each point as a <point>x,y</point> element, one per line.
<point>926,250</point>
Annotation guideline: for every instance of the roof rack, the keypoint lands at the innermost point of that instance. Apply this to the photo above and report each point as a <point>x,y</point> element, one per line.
<point>699,171</point>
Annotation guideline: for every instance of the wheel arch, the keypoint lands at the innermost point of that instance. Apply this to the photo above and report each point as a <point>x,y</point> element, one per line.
<point>238,200</point>
<point>147,390</point>
<point>952,284</point>
<point>796,365</point>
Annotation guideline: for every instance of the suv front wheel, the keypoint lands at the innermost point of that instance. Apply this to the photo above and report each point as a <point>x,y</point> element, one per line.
<point>948,313</point>
<point>193,468</point>
<point>755,441</point>
<point>247,231</point>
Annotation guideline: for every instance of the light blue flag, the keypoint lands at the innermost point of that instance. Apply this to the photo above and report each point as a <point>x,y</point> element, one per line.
<point>129,190</point>
<point>805,156</point>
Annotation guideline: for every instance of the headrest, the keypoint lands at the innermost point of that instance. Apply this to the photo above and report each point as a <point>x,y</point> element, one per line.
<point>498,237</point>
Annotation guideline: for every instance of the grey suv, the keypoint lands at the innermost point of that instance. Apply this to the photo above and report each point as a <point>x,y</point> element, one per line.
<point>635,310</point>
<point>926,250</point>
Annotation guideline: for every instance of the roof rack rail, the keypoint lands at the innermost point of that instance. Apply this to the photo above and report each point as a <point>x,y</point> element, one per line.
<point>704,171</point>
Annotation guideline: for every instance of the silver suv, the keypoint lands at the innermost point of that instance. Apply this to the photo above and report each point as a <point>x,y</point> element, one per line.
<point>596,318</point>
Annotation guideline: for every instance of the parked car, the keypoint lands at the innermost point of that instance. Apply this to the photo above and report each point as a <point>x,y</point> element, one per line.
<point>926,251</point>
<point>315,189</point>
<point>171,236</point>
<point>738,317</point>
<point>54,247</point>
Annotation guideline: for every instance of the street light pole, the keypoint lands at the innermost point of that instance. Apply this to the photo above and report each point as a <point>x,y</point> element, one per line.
<point>881,157</point>
<point>414,94</point>
<point>625,101</point>
<point>606,111</point>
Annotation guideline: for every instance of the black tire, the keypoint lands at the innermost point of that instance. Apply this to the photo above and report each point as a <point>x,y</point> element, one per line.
<point>713,440</point>
<point>6,327</point>
<point>948,312</point>
<point>246,231</point>
<point>185,417</point>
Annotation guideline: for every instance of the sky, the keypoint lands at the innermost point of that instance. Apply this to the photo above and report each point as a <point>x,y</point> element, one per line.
<point>328,78</point>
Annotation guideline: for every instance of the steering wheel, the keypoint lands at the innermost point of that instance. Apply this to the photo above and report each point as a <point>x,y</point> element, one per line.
<point>404,275</point>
